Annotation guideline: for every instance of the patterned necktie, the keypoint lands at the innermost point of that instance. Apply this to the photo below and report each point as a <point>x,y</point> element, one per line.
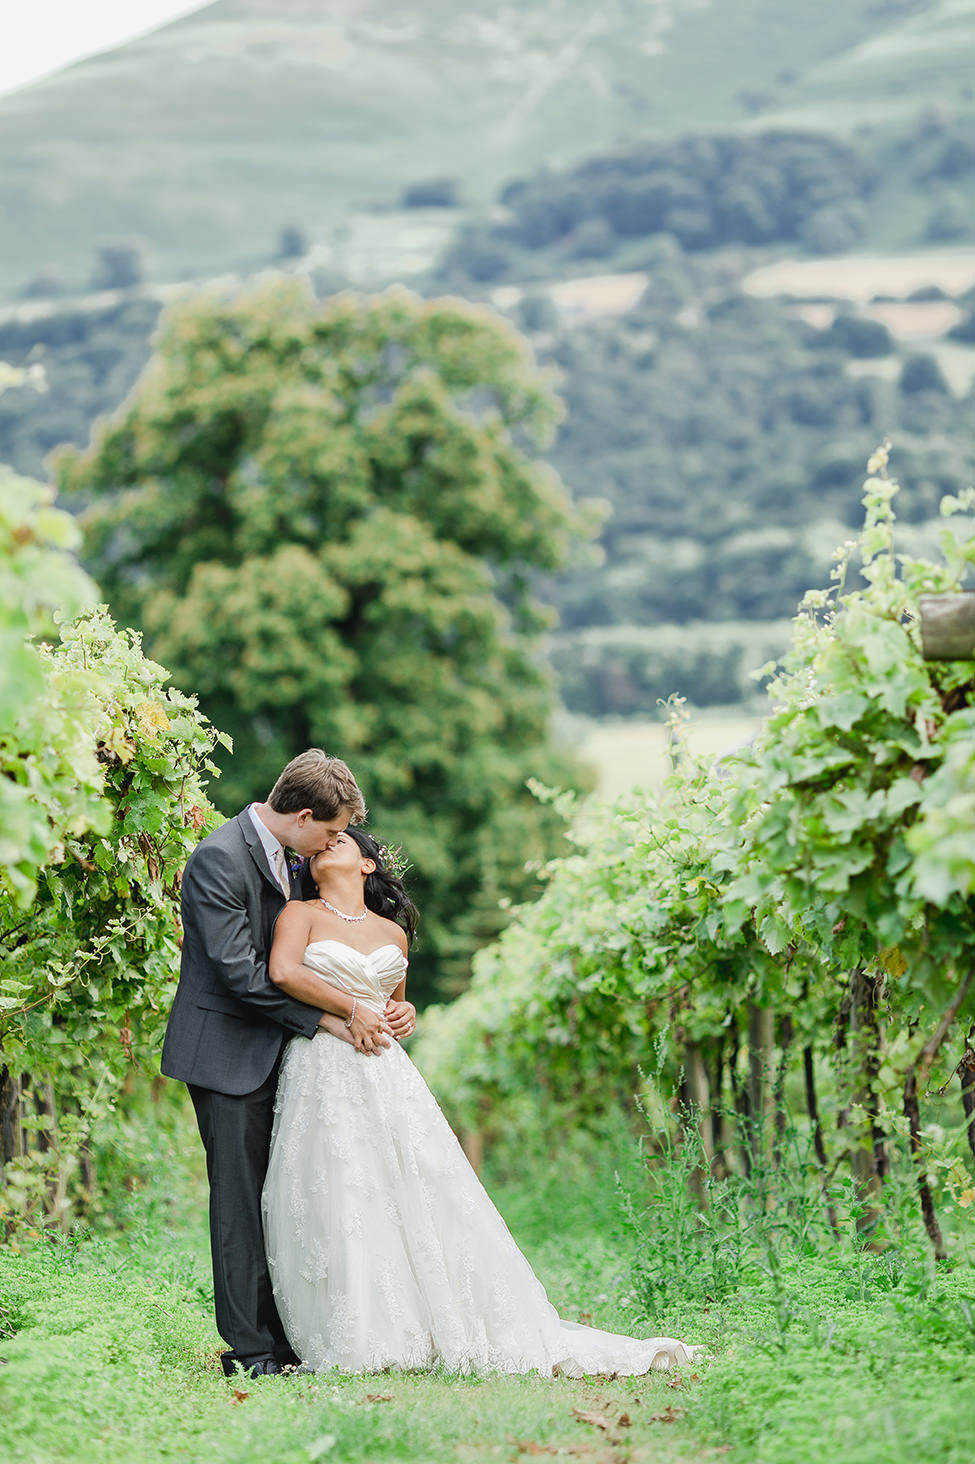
<point>281,870</point>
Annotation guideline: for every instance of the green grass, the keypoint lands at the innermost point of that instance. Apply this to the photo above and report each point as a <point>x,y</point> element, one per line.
<point>107,1371</point>
<point>821,1347</point>
<point>826,1359</point>
<point>110,1352</point>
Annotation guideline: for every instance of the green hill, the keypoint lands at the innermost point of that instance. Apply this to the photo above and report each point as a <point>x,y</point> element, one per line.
<point>918,53</point>
<point>208,137</point>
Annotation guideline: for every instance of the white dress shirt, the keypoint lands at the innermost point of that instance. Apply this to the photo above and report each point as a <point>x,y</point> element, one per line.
<point>274,849</point>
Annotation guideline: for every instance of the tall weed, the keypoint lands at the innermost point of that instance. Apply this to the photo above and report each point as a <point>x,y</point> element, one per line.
<point>849,1343</point>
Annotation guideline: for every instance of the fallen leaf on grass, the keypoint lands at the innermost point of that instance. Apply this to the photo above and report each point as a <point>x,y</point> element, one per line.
<point>598,1420</point>
<point>238,1397</point>
<point>380,1397</point>
<point>669,1415</point>
<point>528,1446</point>
<point>623,1421</point>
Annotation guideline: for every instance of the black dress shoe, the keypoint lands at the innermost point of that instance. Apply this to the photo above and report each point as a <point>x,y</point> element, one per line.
<point>254,1367</point>
<point>265,1366</point>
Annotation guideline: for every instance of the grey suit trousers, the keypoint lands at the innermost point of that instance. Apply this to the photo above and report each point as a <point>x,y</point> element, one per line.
<point>236,1133</point>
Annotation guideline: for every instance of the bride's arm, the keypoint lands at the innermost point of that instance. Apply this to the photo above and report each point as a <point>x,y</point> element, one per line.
<point>400,1013</point>
<point>292,933</point>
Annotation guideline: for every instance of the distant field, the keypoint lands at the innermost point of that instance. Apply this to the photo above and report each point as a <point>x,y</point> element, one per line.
<point>861,277</point>
<point>957,364</point>
<point>636,754</point>
<point>584,297</point>
<point>916,325</point>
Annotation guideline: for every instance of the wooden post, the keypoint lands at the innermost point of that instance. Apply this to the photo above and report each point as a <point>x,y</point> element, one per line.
<point>472,1143</point>
<point>11,1114</point>
<point>697,1117</point>
<point>761,1058</point>
<point>861,1046</point>
<point>948,626</point>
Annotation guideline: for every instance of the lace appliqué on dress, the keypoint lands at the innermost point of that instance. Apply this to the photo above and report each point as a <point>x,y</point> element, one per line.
<point>383,1246</point>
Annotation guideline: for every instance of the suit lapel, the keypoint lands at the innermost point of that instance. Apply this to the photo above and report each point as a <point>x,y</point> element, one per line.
<point>256,850</point>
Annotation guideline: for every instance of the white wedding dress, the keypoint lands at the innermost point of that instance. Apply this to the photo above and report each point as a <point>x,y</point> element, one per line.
<point>384,1249</point>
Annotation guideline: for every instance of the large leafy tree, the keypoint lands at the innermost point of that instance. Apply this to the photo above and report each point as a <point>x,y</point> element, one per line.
<point>326,517</point>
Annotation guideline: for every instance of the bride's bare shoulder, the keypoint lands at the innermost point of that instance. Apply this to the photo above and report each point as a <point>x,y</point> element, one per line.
<point>296,914</point>
<point>394,933</point>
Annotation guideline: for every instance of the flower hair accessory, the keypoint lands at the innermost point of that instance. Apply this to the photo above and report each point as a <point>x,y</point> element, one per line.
<point>393,860</point>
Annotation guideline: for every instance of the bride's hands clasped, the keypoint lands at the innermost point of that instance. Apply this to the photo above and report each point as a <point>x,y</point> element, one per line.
<point>400,1018</point>
<point>369,1031</point>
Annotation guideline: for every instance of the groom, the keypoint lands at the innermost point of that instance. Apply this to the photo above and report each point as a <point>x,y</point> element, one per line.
<point>229,1025</point>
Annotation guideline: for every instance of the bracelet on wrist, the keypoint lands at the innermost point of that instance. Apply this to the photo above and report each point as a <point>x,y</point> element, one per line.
<point>351,1019</point>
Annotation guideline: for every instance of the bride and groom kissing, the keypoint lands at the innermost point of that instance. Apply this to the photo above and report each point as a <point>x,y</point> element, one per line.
<point>347,1228</point>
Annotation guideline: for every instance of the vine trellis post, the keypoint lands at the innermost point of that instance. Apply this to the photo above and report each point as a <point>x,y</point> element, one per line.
<point>947,623</point>
<point>948,626</point>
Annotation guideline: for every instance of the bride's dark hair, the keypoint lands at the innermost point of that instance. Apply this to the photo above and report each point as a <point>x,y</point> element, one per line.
<point>384,892</point>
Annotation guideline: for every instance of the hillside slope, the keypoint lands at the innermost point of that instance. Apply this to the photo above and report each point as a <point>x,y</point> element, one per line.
<point>920,54</point>
<point>207,137</point>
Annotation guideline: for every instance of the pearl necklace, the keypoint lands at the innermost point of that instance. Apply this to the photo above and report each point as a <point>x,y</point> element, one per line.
<point>340,913</point>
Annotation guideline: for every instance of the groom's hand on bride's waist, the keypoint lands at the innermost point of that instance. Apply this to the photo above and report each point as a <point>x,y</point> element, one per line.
<point>335,1026</point>
<point>368,1034</point>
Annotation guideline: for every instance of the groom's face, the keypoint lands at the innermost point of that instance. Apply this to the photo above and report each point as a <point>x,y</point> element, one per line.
<point>311,835</point>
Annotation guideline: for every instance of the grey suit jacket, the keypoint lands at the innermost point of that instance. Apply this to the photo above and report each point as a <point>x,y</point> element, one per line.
<point>229,1022</point>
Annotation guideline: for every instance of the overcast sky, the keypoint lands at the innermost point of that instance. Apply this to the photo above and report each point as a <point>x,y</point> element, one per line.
<point>40,36</point>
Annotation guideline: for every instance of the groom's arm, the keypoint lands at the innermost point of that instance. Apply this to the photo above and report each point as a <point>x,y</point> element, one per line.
<point>286,968</point>
<point>214,907</point>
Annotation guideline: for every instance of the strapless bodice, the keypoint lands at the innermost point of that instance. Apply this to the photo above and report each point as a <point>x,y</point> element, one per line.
<point>370,977</point>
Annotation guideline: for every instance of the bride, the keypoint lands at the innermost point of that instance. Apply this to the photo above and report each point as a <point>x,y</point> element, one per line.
<point>384,1249</point>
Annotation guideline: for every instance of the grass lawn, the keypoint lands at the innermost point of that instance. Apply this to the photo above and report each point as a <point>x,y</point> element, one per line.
<point>110,1355</point>
<point>820,1348</point>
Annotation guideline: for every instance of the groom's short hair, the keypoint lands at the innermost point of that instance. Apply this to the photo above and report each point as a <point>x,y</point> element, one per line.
<point>319,782</point>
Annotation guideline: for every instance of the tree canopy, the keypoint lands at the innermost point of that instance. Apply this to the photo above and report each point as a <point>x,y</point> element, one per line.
<point>703,190</point>
<point>325,517</point>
